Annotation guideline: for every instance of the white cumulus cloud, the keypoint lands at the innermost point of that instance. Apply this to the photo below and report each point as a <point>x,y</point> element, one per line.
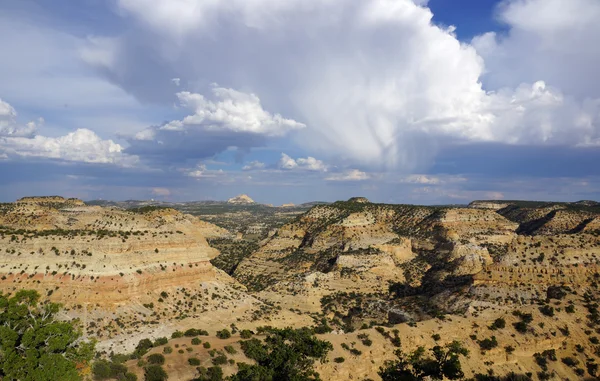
<point>309,163</point>
<point>82,145</point>
<point>202,172</point>
<point>9,125</point>
<point>253,165</point>
<point>235,111</point>
<point>377,83</point>
<point>349,175</point>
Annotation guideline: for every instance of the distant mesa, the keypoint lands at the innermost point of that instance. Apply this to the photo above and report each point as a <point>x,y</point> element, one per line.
<point>50,200</point>
<point>290,205</point>
<point>587,203</point>
<point>242,199</point>
<point>485,204</point>
<point>360,200</point>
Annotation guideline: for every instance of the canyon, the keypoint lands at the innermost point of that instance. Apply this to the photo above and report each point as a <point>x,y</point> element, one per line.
<point>350,268</point>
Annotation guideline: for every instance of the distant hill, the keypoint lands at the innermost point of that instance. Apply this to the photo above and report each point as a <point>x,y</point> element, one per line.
<point>241,199</point>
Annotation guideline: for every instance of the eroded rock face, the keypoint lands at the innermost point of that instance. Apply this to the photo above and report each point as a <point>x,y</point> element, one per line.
<point>241,200</point>
<point>110,267</point>
<point>360,200</point>
<point>493,205</point>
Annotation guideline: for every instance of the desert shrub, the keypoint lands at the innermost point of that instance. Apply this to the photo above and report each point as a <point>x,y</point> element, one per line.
<point>176,334</point>
<point>323,327</point>
<point>142,348</point>
<point>339,360</point>
<point>214,373</point>
<point>196,341</point>
<point>547,310</point>
<point>445,363</point>
<point>104,370</point>
<point>156,359</point>
<point>499,323</point>
<point>570,361</point>
<point>570,309</point>
<point>544,376</point>
<point>521,326</point>
<point>246,334</point>
<point>229,349</point>
<point>167,350</point>
<point>555,292</point>
<point>487,344</point>
<point>436,337</point>
<point>541,361</point>
<point>192,332</point>
<point>224,334</point>
<point>155,373</point>
<point>220,360</point>
<point>160,341</point>
<point>509,377</point>
<point>592,368</point>
<point>194,361</point>
<point>206,344</point>
<point>364,338</point>
<point>286,354</point>
<point>542,358</point>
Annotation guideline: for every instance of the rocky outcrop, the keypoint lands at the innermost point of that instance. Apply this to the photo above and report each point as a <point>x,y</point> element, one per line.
<point>360,200</point>
<point>99,261</point>
<point>241,200</point>
<point>493,205</point>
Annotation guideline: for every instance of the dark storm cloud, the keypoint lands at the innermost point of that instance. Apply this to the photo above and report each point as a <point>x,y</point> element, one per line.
<point>502,160</point>
<point>177,147</point>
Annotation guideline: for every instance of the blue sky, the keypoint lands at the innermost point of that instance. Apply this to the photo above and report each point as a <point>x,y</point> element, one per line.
<point>408,101</point>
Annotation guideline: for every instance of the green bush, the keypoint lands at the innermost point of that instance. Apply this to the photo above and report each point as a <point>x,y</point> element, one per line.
<point>246,334</point>
<point>224,334</point>
<point>176,335</point>
<point>192,332</point>
<point>570,361</point>
<point>194,361</point>
<point>104,370</point>
<point>487,344</point>
<point>160,341</point>
<point>286,354</point>
<point>214,373</point>
<point>445,363</point>
<point>196,341</point>
<point>142,348</point>
<point>229,349</point>
<point>521,326</point>
<point>206,344</point>
<point>156,359</point>
<point>24,327</point>
<point>155,373</point>
<point>547,310</point>
<point>339,360</point>
<point>220,360</point>
<point>167,350</point>
<point>499,323</point>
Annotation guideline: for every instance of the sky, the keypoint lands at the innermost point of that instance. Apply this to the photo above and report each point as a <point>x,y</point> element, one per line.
<point>400,101</point>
